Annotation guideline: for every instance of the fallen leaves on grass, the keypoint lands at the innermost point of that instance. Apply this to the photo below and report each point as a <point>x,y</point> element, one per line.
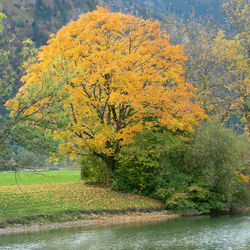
<point>46,199</point>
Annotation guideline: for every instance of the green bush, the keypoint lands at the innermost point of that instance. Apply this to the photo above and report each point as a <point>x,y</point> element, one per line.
<point>93,169</point>
<point>205,174</point>
<point>173,190</point>
<point>214,157</point>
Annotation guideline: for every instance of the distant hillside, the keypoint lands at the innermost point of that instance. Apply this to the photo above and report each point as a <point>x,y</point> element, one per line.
<point>36,19</point>
<point>184,8</point>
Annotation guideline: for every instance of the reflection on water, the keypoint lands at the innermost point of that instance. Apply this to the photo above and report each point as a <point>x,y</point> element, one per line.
<point>224,232</point>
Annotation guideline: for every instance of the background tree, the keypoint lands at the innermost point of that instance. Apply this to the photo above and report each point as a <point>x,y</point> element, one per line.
<point>217,65</point>
<point>237,12</point>
<point>7,80</point>
<point>3,90</point>
<point>15,56</point>
<point>205,67</point>
<point>103,78</point>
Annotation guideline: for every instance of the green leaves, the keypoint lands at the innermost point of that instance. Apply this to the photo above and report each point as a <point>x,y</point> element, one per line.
<point>139,163</point>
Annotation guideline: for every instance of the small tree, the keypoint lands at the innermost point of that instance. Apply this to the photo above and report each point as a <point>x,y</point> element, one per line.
<point>25,159</point>
<point>103,78</point>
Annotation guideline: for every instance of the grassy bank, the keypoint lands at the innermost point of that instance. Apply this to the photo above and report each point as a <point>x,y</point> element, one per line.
<point>63,202</point>
<point>10,178</point>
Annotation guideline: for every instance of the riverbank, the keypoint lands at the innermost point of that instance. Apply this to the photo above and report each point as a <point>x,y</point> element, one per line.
<point>39,207</point>
<point>105,219</point>
<point>92,220</point>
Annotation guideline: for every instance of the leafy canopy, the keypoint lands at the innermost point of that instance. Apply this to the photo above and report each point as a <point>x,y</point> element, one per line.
<point>105,77</point>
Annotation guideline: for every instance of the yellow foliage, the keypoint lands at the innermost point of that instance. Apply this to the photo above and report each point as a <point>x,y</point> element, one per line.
<point>242,178</point>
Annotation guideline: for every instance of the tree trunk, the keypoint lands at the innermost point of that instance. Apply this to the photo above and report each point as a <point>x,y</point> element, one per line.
<point>109,173</point>
<point>110,162</point>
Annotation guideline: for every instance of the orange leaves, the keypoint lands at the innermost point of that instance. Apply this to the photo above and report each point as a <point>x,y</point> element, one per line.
<point>241,177</point>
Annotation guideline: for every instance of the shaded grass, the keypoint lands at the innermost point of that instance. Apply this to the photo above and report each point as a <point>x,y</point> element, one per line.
<point>61,201</point>
<point>9,178</point>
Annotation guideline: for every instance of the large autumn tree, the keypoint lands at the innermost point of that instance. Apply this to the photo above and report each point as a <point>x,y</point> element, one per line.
<point>103,78</point>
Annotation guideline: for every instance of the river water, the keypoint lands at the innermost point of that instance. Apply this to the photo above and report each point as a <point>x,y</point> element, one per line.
<point>205,232</point>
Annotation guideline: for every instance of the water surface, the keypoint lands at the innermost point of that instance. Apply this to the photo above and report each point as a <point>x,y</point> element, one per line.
<point>206,232</point>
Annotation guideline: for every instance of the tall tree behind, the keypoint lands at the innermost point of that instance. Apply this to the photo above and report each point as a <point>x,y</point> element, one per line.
<point>7,79</point>
<point>15,56</point>
<point>238,12</point>
<point>217,65</point>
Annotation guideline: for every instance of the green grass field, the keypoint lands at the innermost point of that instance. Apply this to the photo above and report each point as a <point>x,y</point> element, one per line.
<point>35,201</point>
<point>9,178</point>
